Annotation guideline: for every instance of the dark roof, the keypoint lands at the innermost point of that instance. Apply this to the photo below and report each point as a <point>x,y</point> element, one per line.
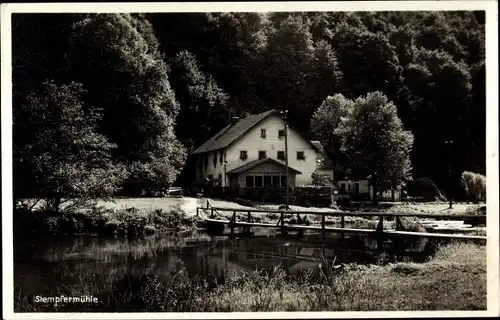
<point>253,164</point>
<point>326,162</point>
<point>232,132</point>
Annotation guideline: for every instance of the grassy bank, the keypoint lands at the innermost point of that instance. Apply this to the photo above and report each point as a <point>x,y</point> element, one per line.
<point>453,279</point>
<point>101,221</point>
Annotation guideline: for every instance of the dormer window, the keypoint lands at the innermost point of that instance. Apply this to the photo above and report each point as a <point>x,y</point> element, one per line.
<point>263,133</point>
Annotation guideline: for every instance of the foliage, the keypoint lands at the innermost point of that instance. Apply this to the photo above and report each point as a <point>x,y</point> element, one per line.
<point>138,95</point>
<point>327,118</point>
<point>424,188</point>
<point>475,186</point>
<point>63,158</point>
<point>430,64</point>
<point>320,179</point>
<point>202,101</point>
<point>375,142</point>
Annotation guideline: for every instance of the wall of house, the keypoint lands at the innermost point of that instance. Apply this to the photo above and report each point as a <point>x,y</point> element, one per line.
<point>215,171</point>
<point>253,143</point>
<point>365,188</point>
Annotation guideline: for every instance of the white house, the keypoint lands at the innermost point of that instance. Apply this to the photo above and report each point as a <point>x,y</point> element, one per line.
<point>250,153</point>
<point>362,188</point>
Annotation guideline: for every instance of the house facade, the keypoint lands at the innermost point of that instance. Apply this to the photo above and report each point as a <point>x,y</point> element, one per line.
<point>250,153</point>
<point>363,190</point>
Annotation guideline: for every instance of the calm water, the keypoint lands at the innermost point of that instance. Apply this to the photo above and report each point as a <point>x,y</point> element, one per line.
<point>45,267</point>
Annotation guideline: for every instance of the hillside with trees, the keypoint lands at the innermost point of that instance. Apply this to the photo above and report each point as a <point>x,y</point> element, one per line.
<point>142,90</point>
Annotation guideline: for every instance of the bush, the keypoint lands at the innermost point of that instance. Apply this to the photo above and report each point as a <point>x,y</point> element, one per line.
<point>424,188</point>
<point>475,186</point>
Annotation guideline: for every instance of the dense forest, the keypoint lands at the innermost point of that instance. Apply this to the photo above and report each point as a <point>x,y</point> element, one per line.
<point>117,101</point>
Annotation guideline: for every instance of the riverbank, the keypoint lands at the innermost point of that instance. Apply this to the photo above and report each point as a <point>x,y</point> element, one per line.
<point>144,216</point>
<point>453,279</point>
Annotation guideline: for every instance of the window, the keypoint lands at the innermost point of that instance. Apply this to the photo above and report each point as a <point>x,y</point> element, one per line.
<point>200,165</point>
<point>210,177</point>
<point>268,181</point>
<point>300,155</point>
<point>205,160</point>
<point>243,155</point>
<point>263,133</point>
<point>215,160</point>
<point>283,181</point>
<point>281,155</point>
<point>220,158</point>
<point>342,186</point>
<point>220,178</point>
<point>258,181</point>
<point>262,154</point>
<point>281,133</point>
<point>276,181</point>
<point>249,182</point>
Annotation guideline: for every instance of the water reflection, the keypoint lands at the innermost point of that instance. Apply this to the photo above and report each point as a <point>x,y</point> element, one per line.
<point>45,267</point>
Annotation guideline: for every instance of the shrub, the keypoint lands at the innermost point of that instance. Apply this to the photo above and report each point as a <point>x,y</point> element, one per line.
<point>475,186</point>
<point>424,188</point>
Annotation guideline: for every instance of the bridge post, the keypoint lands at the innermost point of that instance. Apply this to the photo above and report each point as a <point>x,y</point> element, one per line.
<point>323,225</point>
<point>380,233</point>
<point>342,225</point>
<point>282,220</point>
<point>232,222</point>
<point>399,225</point>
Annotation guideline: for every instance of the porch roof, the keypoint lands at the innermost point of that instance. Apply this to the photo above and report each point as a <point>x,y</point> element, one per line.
<point>255,163</point>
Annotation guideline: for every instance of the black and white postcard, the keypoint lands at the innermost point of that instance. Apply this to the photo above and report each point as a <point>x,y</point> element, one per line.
<point>250,159</point>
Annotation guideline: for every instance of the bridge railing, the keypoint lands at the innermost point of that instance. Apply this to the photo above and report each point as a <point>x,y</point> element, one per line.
<point>379,231</point>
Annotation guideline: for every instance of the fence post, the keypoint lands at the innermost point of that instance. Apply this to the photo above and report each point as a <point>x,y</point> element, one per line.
<point>197,211</point>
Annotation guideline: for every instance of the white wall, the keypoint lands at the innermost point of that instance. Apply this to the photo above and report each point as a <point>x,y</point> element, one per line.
<point>252,143</point>
<point>365,188</point>
<point>211,170</point>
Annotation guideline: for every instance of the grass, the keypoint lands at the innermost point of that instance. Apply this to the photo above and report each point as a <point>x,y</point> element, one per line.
<point>453,279</point>
<point>105,222</point>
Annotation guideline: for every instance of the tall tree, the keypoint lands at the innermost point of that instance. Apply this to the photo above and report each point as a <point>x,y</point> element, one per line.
<point>61,159</point>
<point>139,106</point>
<point>375,142</point>
<point>202,102</point>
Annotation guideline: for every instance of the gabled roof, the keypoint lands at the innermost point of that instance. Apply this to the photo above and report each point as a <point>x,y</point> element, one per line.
<point>255,163</point>
<point>232,132</point>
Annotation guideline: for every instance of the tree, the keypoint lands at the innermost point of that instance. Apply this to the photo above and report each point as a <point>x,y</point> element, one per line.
<point>375,142</point>
<point>62,160</point>
<point>139,106</point>
<point>203,104</point>
<point>325,121</point>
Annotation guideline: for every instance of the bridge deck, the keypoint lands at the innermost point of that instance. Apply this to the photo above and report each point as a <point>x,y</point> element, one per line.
<point>379,232</point>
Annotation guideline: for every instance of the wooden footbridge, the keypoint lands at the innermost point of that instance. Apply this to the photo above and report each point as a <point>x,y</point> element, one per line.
<point>214,219</point>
